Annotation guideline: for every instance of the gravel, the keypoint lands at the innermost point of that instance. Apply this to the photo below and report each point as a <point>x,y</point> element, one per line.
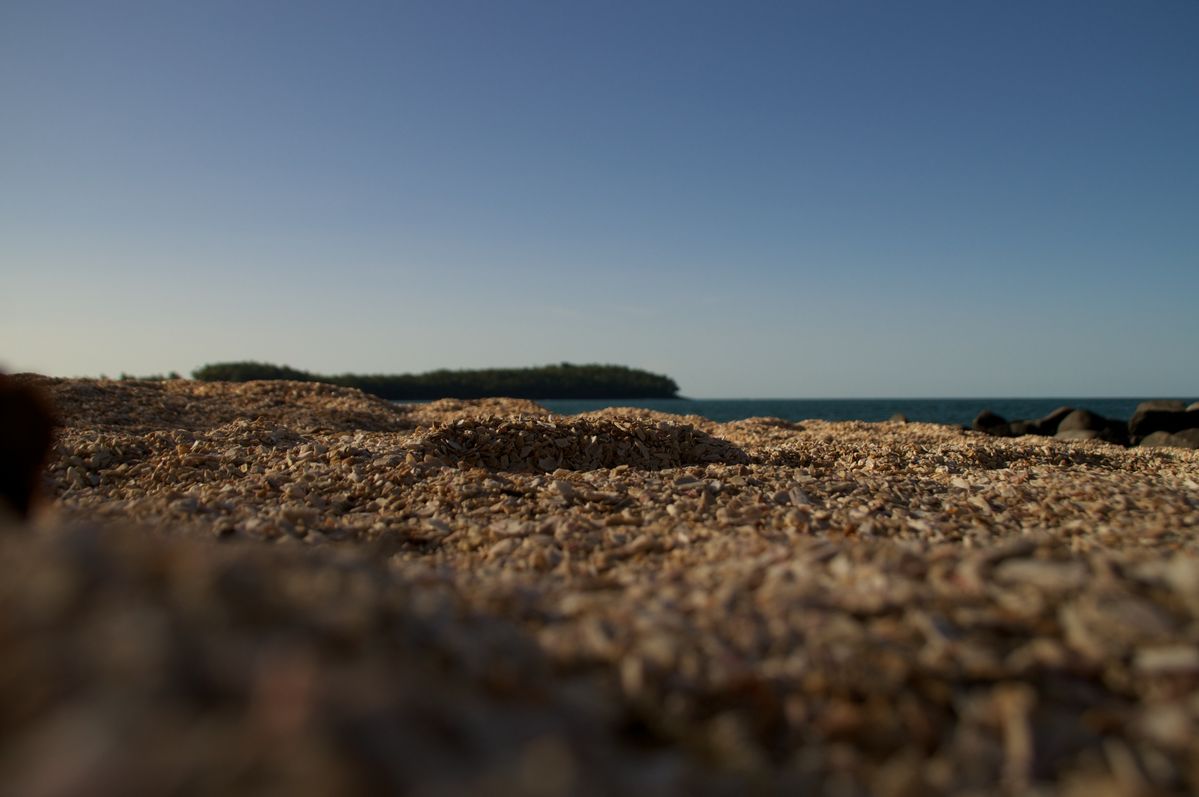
<point>294,587</point>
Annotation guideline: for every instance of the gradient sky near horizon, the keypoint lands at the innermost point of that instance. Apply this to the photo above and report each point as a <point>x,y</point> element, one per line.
<point>784,199</point>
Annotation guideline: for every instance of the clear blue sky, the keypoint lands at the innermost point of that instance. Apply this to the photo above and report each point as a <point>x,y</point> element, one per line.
<point>757,198</point>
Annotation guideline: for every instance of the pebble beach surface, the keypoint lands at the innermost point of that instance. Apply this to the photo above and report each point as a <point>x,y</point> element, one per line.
<point>280,587</point>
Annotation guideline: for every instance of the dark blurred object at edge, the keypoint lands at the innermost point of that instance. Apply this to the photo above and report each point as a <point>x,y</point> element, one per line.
<point>26,433</point>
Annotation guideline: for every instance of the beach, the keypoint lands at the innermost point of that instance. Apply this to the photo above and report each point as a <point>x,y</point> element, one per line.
<point>273,587</point>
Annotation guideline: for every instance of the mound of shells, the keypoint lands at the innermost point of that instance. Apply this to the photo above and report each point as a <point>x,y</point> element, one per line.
<point>300,604</point>
<point>530,443</point>
<point>138,406</point>
<point>443,411</point>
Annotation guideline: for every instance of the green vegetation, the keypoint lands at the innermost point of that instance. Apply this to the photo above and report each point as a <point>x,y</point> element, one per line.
<point>124,377</point>
<point>248,371</point>
<point>544,382</point>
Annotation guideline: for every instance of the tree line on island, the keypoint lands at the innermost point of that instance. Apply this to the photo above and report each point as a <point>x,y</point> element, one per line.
<point>562,381</point>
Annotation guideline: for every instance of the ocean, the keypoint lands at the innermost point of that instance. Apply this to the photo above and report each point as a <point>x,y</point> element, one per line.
<point>947,411</point>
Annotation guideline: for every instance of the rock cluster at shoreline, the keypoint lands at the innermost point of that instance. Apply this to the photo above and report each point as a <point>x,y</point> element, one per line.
<point>292,587</point>
<point>1161,423</point>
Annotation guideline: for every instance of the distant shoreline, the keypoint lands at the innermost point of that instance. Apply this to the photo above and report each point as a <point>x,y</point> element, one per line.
<point>952,412</point>
<point>562,381</point>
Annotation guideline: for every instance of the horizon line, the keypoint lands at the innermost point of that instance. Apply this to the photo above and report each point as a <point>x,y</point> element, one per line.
<point>902,398</point>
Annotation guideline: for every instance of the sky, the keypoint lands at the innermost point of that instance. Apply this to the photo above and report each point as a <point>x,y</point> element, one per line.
<point>837,198</point>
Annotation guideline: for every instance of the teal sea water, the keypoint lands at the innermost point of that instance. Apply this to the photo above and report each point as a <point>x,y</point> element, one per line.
<point>948,411</point>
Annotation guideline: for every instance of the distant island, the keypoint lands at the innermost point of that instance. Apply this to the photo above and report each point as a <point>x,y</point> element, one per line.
<point>562,381</point>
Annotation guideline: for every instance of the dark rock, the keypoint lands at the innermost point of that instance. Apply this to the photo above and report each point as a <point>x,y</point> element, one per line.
<point>1162,405</point>
<point>1020,428</point>
<point>1147,421</point>
<point>1079,434</point>
<point>1187,438</point>
<point>1049,424</point>
<point>1046,425</point>
<point>1084,420</point>
<point>1193,407</point>
<point>1155,440</point>
<point>990,423</point>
